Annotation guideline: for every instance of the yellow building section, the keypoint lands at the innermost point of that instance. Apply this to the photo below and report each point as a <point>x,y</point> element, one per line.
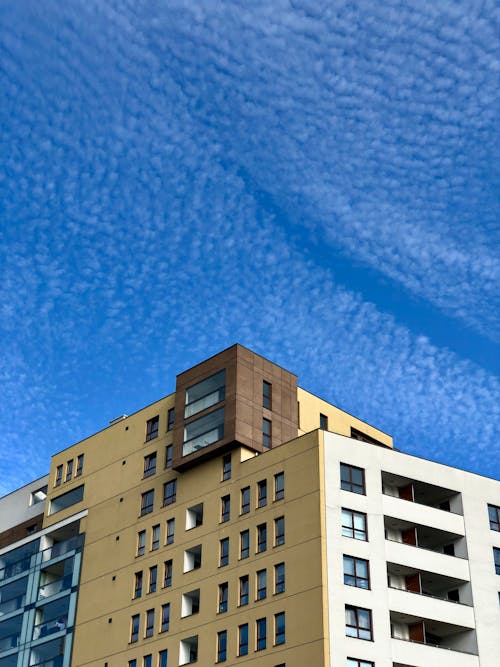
<point>311,409</point>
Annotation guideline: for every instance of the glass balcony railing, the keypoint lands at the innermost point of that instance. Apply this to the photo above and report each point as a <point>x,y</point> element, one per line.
<point>6,643</point>
<point>202,440</point>
<point>14,604</point>
<point>49,627</point>
<point>57,661</point>
<point>11,569</point>
<point>204,402</point>
<point>61,548</point>
<point>54,587</point>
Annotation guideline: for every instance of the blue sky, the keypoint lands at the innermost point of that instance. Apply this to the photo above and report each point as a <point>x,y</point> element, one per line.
<point>318,181</point>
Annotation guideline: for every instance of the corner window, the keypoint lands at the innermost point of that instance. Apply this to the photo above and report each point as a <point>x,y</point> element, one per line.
<point>152,428</point>
<point>170,492</point>
<point>266,432</point>
<point>358,623</point>
<point>147,501</point>
<point>352,478</point>
<point>354,524</point>
<point>266,395</point>
<point>356,572</point>
<point>494,515</point>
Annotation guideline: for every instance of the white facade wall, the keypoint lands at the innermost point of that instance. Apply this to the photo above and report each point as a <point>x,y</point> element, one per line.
<point>473,536</point>
<point>16,507</point>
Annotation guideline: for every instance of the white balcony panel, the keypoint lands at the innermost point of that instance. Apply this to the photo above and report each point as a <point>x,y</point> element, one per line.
<point>422,514</point>
<point>412,653</point>
<point>432,608</point>
<point>423,559</point>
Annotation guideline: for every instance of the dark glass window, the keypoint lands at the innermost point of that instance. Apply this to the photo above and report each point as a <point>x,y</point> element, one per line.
<point>150,464</point>
<point>141,542</point>
<point>138,584</point>
<point>267,394</point>
<point>79,465</point>
<point>496,556</point>
<point>147,500</point>
<point>244,544</point>
<point>261,592</point>
<point>222,646</point>
<point>494,514</point>
<point>323,422</point>
<point>279,578</point>
<point>168,456</point>
<point>261,538</point>
<point>223,595</point>
<point>261,633</point>
<point>165,617</point>
<point>262,493</point>
<point>279,486</point>
<point>245,500</point>
<point>266,432</point>
<point>170,419</point>
<point>150,622</point>
<point>356,662</point>
<point>352,478</point>
<point>225,508</point>
<point>153,577</point>
<point>244,590</point>
<point>358,623</point>
<point>279,531</point>
<point>167,573</point>
<point>224,551</point>
<point>356,572</point>
<point>170,531</point>
<point>170,492</point>
<point>134,628</point>
<point>354,524</point>
<point>243,639</point>
<point>163,658</point>
<point>279,628</point>
<point>152,428</point>
<point>155,537</point>
<point>226,467</point>
<point>59,475</point>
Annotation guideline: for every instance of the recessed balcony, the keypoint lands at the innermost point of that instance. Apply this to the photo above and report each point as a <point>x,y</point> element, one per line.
<point>433,633</point>
<point>414,534</point>
<point>422,493</point>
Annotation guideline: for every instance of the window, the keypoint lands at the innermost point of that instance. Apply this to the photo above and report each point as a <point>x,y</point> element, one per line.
<point>262,493</point>
<point>188,650</point>
<point>354,524</point>
<point>279,578</point>
<point>266,394</point>
<point>167,573</point>
<point>266,432</point>
<point>147,660</point>
<point>225,508</point>
<point>243,590</point>
<point>141,542</point>
<point>147,500</point>
<point>245,500</point>
<point>192,558</point>
<point>261,633</point>
<point>244,544</point>
<point>261,538</point>
<point>170,492</point>
<point>358,623</point>
<point>163,658</point>
<point>150,465</point>
<point>226,467</point>
<point>190,603</point>
<point>279,531</point>
<point>494,514</point>
<point>323,422</point>
<point>165,617</point>
<point>204,394</point>
<point>352,478</point>
<point>59,474</point>
<point>356,572</point>
<point>243,639</point>
<point>168,456</point>
<point>38,496</point>
<point>279,628</point>
<point>279,486</point>
<point>155,537</point>
<point>150,622</point>
<point>69,470</point>
<point>170,531</point>
<point>223,594</point>
<point>153,578</point>
<point>138,584</point>
<point>224,551</point>
<point>152,428</point>
<point>79,465</point>
<point>203,431</point>
<point>134,628</point>
<point>261,592</point>
<point>170,419</point>
<point>132,663</point>
<point>222,646</point>
<point>194,516</point>
<point>356,662</point>
<point>66,500</point>
<point>496,557</point>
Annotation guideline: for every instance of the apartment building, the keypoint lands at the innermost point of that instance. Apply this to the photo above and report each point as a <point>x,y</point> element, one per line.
<point>244,521</point>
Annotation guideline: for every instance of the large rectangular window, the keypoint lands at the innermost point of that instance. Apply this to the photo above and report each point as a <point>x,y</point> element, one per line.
<point>354,524</point>
<point>356,572</point>
<point>147,501</point>
<point>494,514</point>
<point>203,431</point>
<point>358,622</point>
<point>204,394</point>
<point>352,478</point>
<point>66,500</point>
<point>152,428</point>
<point>170,492</point>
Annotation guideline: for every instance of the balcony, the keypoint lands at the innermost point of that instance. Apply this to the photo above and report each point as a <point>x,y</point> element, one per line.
<point>62,548</point>
<point>406,653</point>
<point>422,493</point>
<point>435,634</point>
<point>439,540</point>
<point>429,584</point>
<point>407,602</point>
<point>13,596</point>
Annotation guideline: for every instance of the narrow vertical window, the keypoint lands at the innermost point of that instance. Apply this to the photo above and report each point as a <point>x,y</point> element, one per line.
<point>138,584</point>
<point>226,467</point>
<point>79,465</point>
<point>225,508</point>
<point>150,622</point>
<point>262,493</point>
<point>261,592</point>
<point>222,646</point>
<point>496,558</point>
<point>69,470</point>
<point>244,544</point>
<point>59,476</point>
<point>141,542</point>
<point>134,628</point>
<point>266,432</point>
<point>223,595</point>
<point>167,573</point>
<point>170,419</point>
<point>155,537</point>
<point>168,456</point>
<point>279,628</point>
<point>267,395</point>
<point>224,551</point>
<point>163,658</point>
<point>152,428</point>
<point>243,590</point>
<point>279,531</point>
<point>149,465</point>
<point>261,538</point>
<point>147,660</point>
<point>170,531</point>
<point>323,422</point>
<point>279,578</point>
<point>147,501</point>
<point>153,577</point>
<point>165,617</point>
<point>170,492</point>
<point>261,633</point>
<point>279,486</point>
<point>494,515</point>
<point>245,500</point>
<point>243,639</point>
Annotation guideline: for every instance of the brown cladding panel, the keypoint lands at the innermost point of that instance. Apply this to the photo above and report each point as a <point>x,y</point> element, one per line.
<point>21,531</point>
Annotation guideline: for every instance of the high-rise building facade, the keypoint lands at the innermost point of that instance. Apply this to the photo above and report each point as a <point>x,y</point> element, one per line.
<point>244,521</point>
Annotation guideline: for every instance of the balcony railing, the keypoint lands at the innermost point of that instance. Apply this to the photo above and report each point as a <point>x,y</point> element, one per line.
<point>12,641</point>
<point>425,643</point>
<point>56,661</point>
<point>14,604</point>
<point>61,548</point>
<point>429,595</point>
<point>11,569</point>
<point>54,587</point>
<point>418,546</point>
<point>49,627</point>
<point>419,502</point>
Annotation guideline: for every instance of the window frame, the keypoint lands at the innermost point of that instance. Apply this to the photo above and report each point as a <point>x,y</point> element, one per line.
<point>224,552</point>
<point>150,465</point>
<point>267,433</point>
<point>168,567</point>
<point>170,492</point>
<point>165,617</point>
<point>357,662</point>
<point>170,531</point>
<point>138,581</point>
<point>244,544</point>
<point>261,634</point>
<point>262,493</point>
<point>223,597</point>
<point>243,590</point>
<point>350,484</point>
<point>147,507</point>
<point>279,633</point>
<point>243,634</point>
<point>141,543</point>
<point>260,585</point>
<point>225,508</point>
<point>351,528</point>
<point>168,455</point>
<point>356,561</point>
<point>357,630</point>
<point>279,531</point>
<point>170,419</point>
<point>267,395</point>
<point>149,628</point>
<point>155,537</point>
<point>221,646</point>
<point>79,465</point>
<point>135,626</point>
<point>153,579</point>
<point>244,503</point>
<point>279,486</point>
<point>279,578</point>
<point>494,521</point>
<point>496,559</point>
<point>261,538</point>
<point>226,467</point>
<point>152,428</point>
